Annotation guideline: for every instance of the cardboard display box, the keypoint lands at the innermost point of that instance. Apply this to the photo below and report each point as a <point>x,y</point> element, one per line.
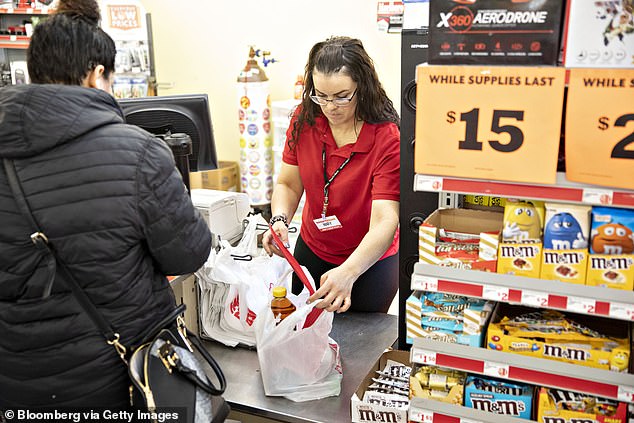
<point>510,398</point>
<point>599,34</point>
<point>487,224</point>
<point>225,178</point>
<point>567,351</point>
<point>473,335</point>
<point>362,411</point>
<point>554,405</point>
<point>440,386</point>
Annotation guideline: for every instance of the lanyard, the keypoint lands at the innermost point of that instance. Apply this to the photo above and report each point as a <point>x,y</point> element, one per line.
<point>328,181</point>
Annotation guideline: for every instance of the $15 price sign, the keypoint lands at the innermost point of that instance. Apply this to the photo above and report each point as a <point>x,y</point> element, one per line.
<point>500,123</point>
<point>600,127</point>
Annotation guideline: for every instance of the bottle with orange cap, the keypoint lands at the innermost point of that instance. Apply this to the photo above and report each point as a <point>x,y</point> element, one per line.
<point>280,305</point>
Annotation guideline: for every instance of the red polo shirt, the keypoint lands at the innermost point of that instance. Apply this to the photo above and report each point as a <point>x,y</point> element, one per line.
<point>373,173</point>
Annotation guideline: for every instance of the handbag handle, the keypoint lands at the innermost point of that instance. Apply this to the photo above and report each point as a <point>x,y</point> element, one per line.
<point>206,385</point>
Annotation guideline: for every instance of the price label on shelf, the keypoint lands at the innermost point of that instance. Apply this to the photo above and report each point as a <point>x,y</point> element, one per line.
<point>428,183</point>
<point>465,420</point>
<point>495,293</point>
<point>581,305</point>
<point>423,416</point>
<point>600,127</point>
<point>13,38</point>
<point>424,283</point>
<point>494,369</point>
<point>424,357</point>
<point>600,197</point>
<point>29,10</point>
<point>625,393</point>
<point>622,311</point>
<point>534,298</point>
<point>483,137</point>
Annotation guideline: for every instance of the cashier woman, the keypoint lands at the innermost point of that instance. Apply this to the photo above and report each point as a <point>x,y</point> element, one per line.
<point>342,151</point>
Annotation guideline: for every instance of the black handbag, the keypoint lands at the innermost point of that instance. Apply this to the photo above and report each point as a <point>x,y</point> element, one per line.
<point>166,375</point>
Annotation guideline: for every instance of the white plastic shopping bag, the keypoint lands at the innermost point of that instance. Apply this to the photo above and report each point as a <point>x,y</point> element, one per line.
<point>243,277</point>
<point>298,363</point>
<point>298,359</point>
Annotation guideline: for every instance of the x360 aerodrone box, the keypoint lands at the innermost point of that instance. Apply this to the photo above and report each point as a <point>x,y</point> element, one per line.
<point>505,32</point>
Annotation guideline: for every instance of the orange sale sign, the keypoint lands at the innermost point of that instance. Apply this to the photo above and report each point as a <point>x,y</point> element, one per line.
<point>492,122</point>
<point>600,127</point>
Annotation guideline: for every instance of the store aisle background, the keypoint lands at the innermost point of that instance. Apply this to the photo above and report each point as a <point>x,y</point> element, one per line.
<point>201,46</point>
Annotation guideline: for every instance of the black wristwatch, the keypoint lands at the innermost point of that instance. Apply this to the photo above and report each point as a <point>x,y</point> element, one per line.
<point>278,218</point>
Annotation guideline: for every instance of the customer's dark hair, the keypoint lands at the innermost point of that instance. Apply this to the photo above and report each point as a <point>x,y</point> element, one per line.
<point>347,55</point>
<point>68,45</point>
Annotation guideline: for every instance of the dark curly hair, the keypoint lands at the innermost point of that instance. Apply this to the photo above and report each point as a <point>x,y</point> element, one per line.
<point>68,45</point>
<point>347,55</point>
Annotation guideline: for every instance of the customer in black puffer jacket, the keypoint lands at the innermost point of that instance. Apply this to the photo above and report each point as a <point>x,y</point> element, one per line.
<point>111,201</point>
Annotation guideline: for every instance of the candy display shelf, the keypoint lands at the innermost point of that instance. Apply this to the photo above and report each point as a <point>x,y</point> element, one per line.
<point>536,371</point>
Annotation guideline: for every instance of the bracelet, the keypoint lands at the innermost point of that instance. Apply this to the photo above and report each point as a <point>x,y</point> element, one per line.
<point>278,218</point>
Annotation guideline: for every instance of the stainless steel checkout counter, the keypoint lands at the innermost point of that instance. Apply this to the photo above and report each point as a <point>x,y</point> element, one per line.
<point>362,338</point>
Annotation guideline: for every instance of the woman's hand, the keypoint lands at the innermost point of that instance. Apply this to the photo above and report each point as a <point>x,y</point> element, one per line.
<point>335,289</point>
<point>269,243</point>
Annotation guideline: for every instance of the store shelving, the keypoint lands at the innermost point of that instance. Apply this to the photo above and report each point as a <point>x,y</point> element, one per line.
<point>536,371</point>
<point>533,292</point>
<point>12,41</point>
<point>562,191</point>
<point>431,411</point>
<point>26,11</point>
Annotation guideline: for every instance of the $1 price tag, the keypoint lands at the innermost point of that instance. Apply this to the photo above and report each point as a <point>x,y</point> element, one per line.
<point>600,127</point>
<point>424,416</point>
<point>482,138</point>
<point>424,357</point>
<point>424,283</point>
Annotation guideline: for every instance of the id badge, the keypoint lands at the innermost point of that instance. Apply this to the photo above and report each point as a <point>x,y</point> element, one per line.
<point>327,223</point>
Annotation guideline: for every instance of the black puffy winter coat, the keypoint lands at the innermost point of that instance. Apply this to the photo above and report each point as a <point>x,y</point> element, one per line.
<point>111,201</point>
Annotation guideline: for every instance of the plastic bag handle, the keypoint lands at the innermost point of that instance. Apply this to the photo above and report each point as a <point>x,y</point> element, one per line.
<point>315,312</point>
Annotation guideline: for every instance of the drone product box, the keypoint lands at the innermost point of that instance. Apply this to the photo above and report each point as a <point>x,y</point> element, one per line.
<point>505,32</point>
<point>599,34</point>
<point>565,253</point>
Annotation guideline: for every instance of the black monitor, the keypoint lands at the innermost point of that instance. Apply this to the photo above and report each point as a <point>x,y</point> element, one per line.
<point>164,115</point>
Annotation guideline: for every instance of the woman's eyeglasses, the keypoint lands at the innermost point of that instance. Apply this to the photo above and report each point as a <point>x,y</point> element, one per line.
<point>338,101</point>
